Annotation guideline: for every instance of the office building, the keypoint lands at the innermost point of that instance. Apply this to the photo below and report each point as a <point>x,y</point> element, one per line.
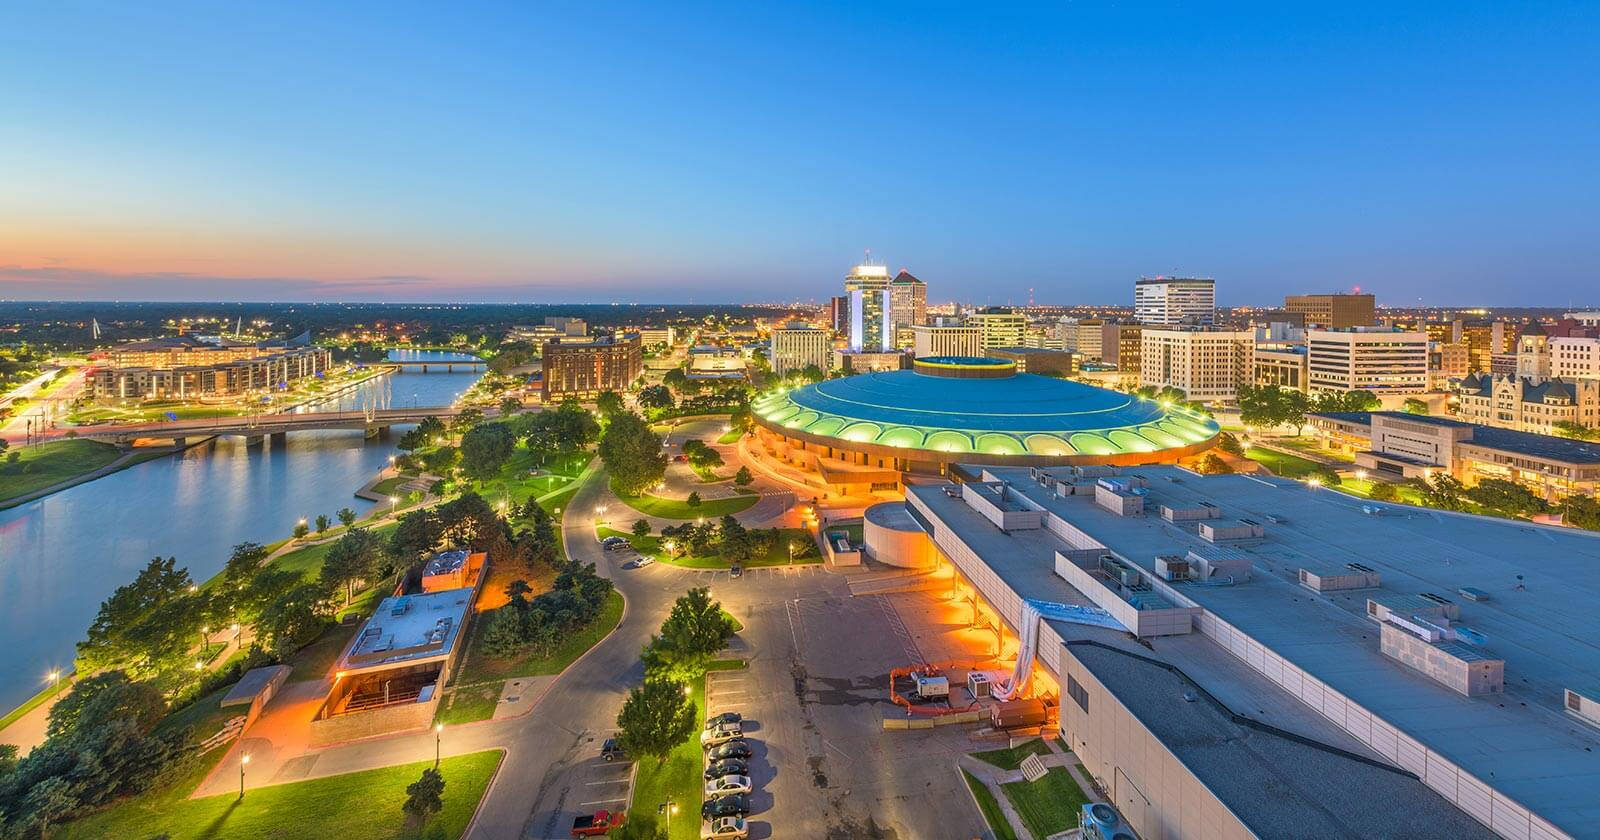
<point>711,363</point>
<point>796,346</point>
<point>1283,365</point>
<point>908,301</point>
<point>946,340</point>
<point>871,307</point>
<point>861,433</point>
<point>1227,676</point>
<point>1525,405</point>
<point>654,338</point>
<point>1396,446</point>
<point>1000,327</point>
<point>1332,311</point>
<point>1207,365</point>
<point>1447,362</point>
<point>1119,346</point>
<point>1082,335</point>
<point>582,368</point>
<point>1377,359</point>
<point>839,314</point>
<point>567,325</point>
<point>1169,301</point>
<point>1485,340</point>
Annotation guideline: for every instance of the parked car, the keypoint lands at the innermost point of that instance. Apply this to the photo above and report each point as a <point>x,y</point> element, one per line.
<point>725,717</point>
<point>738,748</point>
<point>720,734</point>
<point>731,767</point>
<point>725,828</point>
<point>736,570</point>
<point>613,751</point>
<point>733,805</point>
<point>597,824</point>
<point>638,562</point>
<point>614,543</point>
<point>680,458</point>
<point>727,784</point>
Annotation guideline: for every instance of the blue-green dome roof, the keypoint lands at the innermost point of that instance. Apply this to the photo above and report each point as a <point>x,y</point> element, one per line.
<point>1017,414</point>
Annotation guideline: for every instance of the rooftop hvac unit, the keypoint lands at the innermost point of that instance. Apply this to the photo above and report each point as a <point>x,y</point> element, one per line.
<point>1100,821</point>
<point>978,685</point>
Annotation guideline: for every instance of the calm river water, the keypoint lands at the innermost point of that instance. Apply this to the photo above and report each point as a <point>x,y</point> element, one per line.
<point>62,555</point>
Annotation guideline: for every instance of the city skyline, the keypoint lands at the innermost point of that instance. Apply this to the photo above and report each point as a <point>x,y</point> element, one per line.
<point>508,154</point>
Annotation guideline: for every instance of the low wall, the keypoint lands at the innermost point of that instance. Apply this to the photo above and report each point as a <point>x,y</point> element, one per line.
<point>333,730</point>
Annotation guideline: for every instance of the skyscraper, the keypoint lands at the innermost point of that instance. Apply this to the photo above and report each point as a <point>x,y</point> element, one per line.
<point>1001,327</point>
<point>1166,301</point>
<point>871,329</point>
<point>908,300</point>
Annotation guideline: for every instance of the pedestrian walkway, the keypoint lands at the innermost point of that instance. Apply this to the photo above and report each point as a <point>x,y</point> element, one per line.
<point>993,777</point>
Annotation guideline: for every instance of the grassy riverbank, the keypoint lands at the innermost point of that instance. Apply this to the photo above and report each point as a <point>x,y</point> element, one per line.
<point>51,463</point>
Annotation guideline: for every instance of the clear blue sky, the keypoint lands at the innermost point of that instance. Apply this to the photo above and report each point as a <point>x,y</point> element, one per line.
<point>675,151</point>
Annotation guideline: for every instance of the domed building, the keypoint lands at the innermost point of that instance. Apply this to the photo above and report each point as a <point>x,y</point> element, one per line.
<point>869,431</point>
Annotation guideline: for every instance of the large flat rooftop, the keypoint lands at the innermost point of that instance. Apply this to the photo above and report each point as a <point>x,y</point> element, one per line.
<point>1506,440</point>
<point>1541,616</point>
<point>408,629</point>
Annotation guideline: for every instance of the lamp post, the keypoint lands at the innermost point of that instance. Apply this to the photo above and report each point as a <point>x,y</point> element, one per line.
<point>791,552</point>
<point>55,678</point>
<point>243,760</point>
<point>438,733</point>
<point>393,501</point>
<point>669,808</point>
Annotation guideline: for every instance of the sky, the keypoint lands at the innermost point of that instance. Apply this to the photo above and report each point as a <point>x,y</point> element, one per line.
<point>1444,153</point>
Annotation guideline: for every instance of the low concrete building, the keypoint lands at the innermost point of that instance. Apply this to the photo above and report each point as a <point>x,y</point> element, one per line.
<point>458,569</point>
<point>1034,360</point>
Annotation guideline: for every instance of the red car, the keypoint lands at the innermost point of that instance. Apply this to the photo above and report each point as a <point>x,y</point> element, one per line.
<point>597,824</point>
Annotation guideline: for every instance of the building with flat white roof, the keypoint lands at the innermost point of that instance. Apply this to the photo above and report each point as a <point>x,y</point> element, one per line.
<point>1307,663</point>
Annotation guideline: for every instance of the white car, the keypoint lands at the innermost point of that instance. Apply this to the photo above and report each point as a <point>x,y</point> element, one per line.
<point>726,785</point>
<point>724,828</point>
<point>643,561</point>
<point>720,733</point>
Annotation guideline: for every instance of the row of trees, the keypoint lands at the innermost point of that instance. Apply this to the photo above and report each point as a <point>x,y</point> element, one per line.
<point>1270,405</point>
<point>659,715</point>
<point>539,624</point>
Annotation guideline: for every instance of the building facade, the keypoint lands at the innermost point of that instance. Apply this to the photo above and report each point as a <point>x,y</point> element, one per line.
<point>1379,360</point>
<point>1332,311</point>
<point>1207,365</point>
<point>1169,301</point>
<point>1525,405</point>
<point>871,309</point>
<point>1283,366</point>
<point>795,346</point>
<point>183,367</point>
<point>582,369</point>
<point>908,302</point>
<point>1045,361</point>
<point>946,340</point>
<point>1000,327</point>
<point>1447,362</point>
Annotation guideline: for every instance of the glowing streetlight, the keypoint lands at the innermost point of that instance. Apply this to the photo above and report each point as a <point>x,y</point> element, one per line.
<point>1361,475</point>
<point>438,733</point>
<point>243,760</point>
<point>55,678</point>
<point>393,501</point>
<point>1314,482</point>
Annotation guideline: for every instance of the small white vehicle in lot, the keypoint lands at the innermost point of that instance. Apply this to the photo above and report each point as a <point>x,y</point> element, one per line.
<point>720,733</point>
<point>727,784</point>
<point>724,828</point>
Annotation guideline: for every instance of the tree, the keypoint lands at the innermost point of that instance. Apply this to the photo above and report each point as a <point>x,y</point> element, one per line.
<point>431,428</point>
<point>693,632</point>
<point>4,445</point>
<point>658,397</point>
<point>355,556</point>
<point>300,530</point>
<point>1442,491</point>
<point>101,697</point>
<point>743,478</point>
<point>292,621</point>
<point>1581,512</point>
<point>424,797</point>
<point>632,454</point>
<point>1416,406</point>
<point>465,420</point>
<point>737,543</point>
<point>413,440</point>
<point>485,448</point>
<point>1576,431</point>
<point>608,403</point>
<point>1506,497</point>
<point>641,527</point>
<point>510,406</point>
<point>1383,491</point>
<point>812,374</point>
<point>1326,476</point>
<point>137,616</point>
<point>657,716</point>
<point>323,522</point>
<point>694,499</point>
<point>1214,465</point>
<point>347,517</point>
<point>1230,444</point>
<point>243,563</point>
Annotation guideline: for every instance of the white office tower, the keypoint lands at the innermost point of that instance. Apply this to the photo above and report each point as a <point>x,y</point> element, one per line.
<point>871,327</point>
<point>1168,301</point>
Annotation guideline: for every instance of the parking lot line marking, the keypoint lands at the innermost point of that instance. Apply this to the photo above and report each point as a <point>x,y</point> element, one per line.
<point>602,801</point>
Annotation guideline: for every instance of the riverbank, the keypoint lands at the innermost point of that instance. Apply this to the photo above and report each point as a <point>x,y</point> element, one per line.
<point>61,464</point>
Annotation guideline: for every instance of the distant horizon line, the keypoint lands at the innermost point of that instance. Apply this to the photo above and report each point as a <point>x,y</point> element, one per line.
<point>1569,307</point>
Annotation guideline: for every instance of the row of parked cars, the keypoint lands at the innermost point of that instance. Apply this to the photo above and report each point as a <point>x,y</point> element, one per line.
<point>727,778</point>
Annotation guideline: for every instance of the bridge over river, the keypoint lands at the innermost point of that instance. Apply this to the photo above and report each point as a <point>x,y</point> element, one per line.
<point>255,427</point>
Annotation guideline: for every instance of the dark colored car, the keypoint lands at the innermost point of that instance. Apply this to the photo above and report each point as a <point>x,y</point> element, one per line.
<point>732,805</point>
<point>614,543</point>
<point>726,717</point>
<point>612,751</point>
<point>730,767</point>
<point>736,571</point>
<point>738,748</point>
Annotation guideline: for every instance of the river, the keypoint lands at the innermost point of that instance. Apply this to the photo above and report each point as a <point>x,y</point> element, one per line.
<point>62,555</point>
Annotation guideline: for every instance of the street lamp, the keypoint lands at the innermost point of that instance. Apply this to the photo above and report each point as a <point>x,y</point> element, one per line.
<point>438,733</point>
<point>243,760</point>
<point>1361,475</point>
<point>393,500</point>
<point>669,808</point>
<point>55,678</point>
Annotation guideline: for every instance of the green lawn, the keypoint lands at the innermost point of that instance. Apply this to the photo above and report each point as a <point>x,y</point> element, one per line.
<point>730,436</point>
<point>51,463</point>
<point>1011,758</point>
<point>391,486</point>
<point>1049,805</point>
<point>1309,446</point>
<point>677,779</point>
<point>365,804</point>
<point>514,483</point>
<point>1281,464</point>
<point>307,560</point>
<point>679,509</point>
<point>315,660</point>
<point>465,705</point>
<point>481,668</point>
<point>777,555</point>
<point>990,807</point>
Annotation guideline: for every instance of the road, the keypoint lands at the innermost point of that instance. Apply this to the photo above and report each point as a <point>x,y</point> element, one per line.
<point>15,428</point>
